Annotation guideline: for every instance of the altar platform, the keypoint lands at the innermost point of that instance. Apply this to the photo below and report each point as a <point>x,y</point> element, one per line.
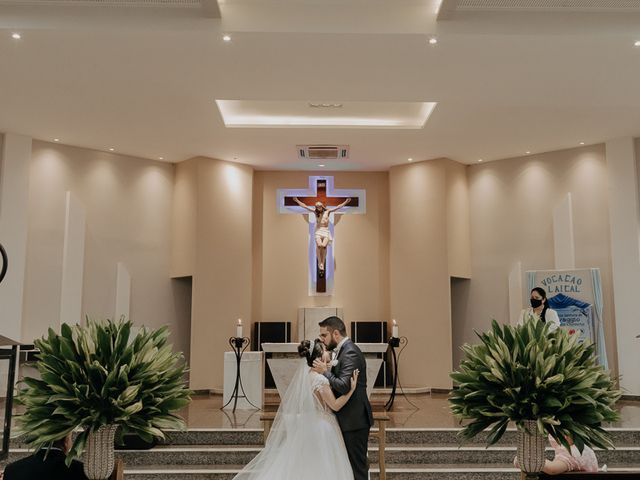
<point>422,444</point>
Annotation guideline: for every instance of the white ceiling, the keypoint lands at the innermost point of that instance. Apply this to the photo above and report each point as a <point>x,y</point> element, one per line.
<point>144,80</point>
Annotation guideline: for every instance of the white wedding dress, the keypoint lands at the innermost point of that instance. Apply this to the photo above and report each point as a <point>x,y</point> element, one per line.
<point>305,441</point>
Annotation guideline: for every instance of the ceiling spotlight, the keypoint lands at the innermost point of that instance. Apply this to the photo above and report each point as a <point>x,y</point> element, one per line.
<point>581,143</point>
<point>433,41</point>
<point>527,152</point>
<point>635,44</point>
<point>56,139</point>
<point>226,38</point>
<point>409,159</point>
<point>479,160</point>
<point>321,164</point>
<point>111,149</point>
<point>160,158</point>
<point>16,36</point>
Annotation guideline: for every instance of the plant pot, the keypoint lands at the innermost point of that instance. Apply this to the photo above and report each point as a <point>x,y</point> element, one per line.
<point>99,457</point>
<point>531,448</point>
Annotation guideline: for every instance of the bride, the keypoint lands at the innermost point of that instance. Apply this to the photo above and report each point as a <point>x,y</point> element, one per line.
<point>305,440</point>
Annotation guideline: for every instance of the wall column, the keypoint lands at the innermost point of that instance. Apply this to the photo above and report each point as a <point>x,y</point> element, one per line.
<point>624,213</point>
<point>14,208</point>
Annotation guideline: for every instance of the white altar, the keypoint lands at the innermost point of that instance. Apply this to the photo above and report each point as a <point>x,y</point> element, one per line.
<point>286,361</point>
<point>252,374</point>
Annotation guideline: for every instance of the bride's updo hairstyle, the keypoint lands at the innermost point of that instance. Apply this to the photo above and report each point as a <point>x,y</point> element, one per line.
<point>310,350</point>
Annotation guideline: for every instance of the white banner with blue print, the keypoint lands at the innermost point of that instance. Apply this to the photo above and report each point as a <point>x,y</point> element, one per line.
<point>576,296</point>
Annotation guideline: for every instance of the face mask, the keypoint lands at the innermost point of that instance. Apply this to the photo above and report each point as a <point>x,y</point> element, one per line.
<point>535,303</point>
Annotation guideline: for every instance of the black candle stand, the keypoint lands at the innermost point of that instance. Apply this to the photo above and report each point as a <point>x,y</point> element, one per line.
<point>239,345</point>
<point>394,343</point>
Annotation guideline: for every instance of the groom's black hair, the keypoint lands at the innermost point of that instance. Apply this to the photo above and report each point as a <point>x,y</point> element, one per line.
<point>334,323</point>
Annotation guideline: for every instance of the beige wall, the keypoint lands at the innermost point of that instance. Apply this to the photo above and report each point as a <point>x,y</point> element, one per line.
<point>216,249</point>
<point>429,242</point>
<point>512,204</point>
<point>127,202</point>
<point>280,243</point>
<point>184,218</point>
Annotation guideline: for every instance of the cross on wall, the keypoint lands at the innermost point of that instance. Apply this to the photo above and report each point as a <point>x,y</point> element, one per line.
<point>321,190</point>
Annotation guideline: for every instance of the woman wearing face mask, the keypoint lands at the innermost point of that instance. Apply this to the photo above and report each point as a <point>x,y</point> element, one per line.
<point>540,309</point>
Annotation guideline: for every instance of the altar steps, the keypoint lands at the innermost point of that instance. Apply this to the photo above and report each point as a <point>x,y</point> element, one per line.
<point>420,453</point>
<point>394,472</point>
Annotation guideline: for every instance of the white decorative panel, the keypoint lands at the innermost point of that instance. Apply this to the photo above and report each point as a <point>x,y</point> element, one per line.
<point>72,261</point>
<point>563,241</point>
<point>123,292</point>
<point>515,292</point>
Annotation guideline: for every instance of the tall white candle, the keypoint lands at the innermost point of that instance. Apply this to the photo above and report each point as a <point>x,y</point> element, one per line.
<point>239,328</point>
<point>394,330</point>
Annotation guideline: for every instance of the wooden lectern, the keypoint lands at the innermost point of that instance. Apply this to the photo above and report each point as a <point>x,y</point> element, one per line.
<point>10,354</point>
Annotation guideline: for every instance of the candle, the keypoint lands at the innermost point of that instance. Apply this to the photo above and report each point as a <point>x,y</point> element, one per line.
<point>394,330</point>
<point>239,328</point>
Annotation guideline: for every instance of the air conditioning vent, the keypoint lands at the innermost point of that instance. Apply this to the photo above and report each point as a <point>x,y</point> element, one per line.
<point>323,152</point>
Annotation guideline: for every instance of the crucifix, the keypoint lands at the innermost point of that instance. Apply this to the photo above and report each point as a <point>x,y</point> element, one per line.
<point>321,202</point>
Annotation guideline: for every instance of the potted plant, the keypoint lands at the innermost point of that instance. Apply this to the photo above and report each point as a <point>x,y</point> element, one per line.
<point>547,383</point>
<point>104,381</point>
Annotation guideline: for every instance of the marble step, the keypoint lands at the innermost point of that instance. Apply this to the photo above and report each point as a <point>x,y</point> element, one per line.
<point>394,472</point>
<point>442,436</point>
<point>395,454</point>
<point>416,436</point>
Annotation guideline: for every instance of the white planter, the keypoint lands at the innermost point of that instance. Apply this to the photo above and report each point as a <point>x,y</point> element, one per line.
<point>99,456</point>
<point>531,448</point>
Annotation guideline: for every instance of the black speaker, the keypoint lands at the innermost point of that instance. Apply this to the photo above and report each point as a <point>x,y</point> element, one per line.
<point>374,332</point>
<point>270,332</point>
<point>369,332</point>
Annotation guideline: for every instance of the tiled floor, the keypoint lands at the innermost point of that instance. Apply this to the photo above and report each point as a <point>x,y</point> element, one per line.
<point>412,411</point>
<point>430,411</point>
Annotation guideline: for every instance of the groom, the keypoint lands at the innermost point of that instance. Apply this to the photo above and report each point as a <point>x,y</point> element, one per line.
<point>355,417</point>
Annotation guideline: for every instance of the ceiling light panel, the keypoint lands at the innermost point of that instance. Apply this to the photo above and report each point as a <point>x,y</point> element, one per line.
<point>322,114</point>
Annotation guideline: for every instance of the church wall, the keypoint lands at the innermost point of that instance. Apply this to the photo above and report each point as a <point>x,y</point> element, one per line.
<point>420,290</point>
<point>127,202</point>
<point>457,208</point>
<point>184,219</point>
<point>222,278</point>
<point>512,204</point>
<point>280,243</point>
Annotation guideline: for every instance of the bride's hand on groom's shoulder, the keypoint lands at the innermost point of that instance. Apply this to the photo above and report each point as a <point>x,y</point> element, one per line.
<point>354,379</point>
<point>319,366</point>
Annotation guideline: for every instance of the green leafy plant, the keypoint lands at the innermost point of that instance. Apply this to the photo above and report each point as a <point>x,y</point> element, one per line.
<point>97,375</point>
<point>529,373</point>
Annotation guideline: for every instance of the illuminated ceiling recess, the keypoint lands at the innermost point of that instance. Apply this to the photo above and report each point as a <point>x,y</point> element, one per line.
<point>299,114</point>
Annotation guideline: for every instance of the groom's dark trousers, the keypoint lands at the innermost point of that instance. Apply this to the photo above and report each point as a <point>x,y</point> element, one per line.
<point>355,418</point>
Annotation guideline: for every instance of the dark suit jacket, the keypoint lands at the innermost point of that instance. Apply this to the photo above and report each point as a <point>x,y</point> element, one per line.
<point>356,414</point>
<point>36,467</point>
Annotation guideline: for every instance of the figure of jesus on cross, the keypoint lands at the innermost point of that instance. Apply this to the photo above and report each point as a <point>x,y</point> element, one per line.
<point>320,201</point>
<point>323,234</point>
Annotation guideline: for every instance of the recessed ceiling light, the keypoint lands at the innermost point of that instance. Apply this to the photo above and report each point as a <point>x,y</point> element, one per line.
<point>226,38</point>
<point>433,41</point>
<point>527,152</point>
<point>325,105</point>
<point>409,159</point>
<point>111,149</point>
<point>16,36</point>
<point>581,143</point>
<point>479,159</point>
<point>288,114</point>
<point>321,164</point>
<point>636,43</point>
<point>56,139</point>
<point>160,158</point>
